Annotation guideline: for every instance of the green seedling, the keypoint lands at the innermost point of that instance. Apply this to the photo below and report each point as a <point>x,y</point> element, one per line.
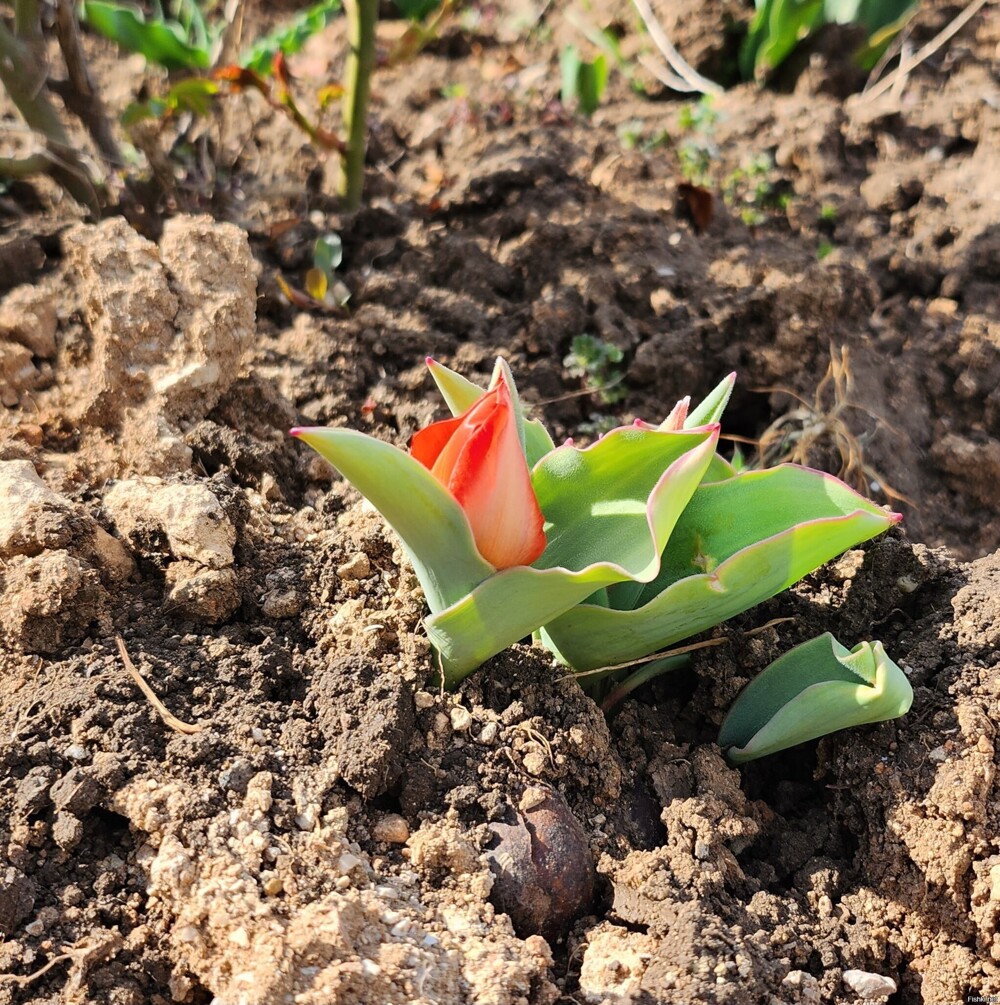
<point>750,190</point>
<point>321,282</point>
<point>599,364</point>
<point>636,135</point>
<point>290,37</point>
<point>815,689</point>
<point>696,153</point>
<point>583,82</point>
<point>182,41</point>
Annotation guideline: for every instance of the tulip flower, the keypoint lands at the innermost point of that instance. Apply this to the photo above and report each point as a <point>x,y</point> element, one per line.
<point>478,458</point>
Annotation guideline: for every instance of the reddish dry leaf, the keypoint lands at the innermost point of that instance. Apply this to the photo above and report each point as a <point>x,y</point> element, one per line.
<point>700,204</point>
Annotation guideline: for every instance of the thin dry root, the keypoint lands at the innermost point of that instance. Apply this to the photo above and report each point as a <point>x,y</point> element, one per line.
<point>168,717</point>
<point>794,436</point>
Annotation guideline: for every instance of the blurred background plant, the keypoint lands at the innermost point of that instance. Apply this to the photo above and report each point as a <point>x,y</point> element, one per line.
<point>198,48</point>
<point>26,74</point>
<point>600,365</point>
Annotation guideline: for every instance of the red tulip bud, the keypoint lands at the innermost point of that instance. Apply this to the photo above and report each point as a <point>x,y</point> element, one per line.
<point>478,458</point>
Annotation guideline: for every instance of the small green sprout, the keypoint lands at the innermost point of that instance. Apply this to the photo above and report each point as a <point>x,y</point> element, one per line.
<point>751,190</point>
<point>599,364</point>
<point>321,282</point>
<point>814,689</point>
<point>583,82</point>
<point>780,25</point>
<point>636,135</point>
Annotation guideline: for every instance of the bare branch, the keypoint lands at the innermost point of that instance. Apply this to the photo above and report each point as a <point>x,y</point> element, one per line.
<point>676,62</point>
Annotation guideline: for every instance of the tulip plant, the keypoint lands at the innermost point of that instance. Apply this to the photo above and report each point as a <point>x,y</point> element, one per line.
<point>607,553</point>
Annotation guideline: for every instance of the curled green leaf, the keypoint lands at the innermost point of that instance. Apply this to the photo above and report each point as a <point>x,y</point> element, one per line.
<point>739,541</point>
<point>814,689</point>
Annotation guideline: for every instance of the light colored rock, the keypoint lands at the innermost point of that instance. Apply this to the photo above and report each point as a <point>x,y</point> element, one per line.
<point>190,517</point>
<point>867,985</point>
<point>170,326</point>
<point>358,566</point>
<point>803,985</point>
<point>48,601</point>
<point>34,518</point>
<point>613,964</point>
<point>200,593</point>
<point>215,277</point>
<point>129,308</point>
<point>28,317</point>
<point>17,372</point>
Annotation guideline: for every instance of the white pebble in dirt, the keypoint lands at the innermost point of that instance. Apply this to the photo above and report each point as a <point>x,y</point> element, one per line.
<point>869,986</point>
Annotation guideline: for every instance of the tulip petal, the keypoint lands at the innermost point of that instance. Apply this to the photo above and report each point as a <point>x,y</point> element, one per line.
<point>738,542</point>
<point>460,394</point>
<point>490,481</point>
<point>427,443</point>
<point>431,524</point>
<point>814,689</point>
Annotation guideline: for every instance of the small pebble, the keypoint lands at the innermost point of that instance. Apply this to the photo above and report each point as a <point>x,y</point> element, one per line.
<point>804,983</point>
<point>489,733</point>
<point>866,985</point>
<point>423,699</point>
<point>239,937</point>
<point>995,883</point>
<point>391,829</point>
<point>356,567</point>
<point>461,718</point>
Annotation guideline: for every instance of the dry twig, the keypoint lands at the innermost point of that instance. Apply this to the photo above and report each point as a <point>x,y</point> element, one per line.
<point>682,76</point>
<point>907,65</point>
<point>168,717</point>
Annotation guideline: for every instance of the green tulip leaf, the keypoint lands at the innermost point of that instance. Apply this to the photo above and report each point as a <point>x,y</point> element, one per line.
<point>814,689</point>
<point>431,524</point>
<point>738,542</point>
<point>162,42</point>
<point>460,394</point>
<point>711,409</point>
<point>609,509</point>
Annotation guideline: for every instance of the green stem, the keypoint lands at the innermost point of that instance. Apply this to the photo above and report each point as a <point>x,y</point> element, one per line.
<point>362,16</point>
<point>23,73</point>
<point>640,677</point>
<point>24,167</point>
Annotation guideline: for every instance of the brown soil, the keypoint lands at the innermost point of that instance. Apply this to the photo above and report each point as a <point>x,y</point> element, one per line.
<point>331,828</point>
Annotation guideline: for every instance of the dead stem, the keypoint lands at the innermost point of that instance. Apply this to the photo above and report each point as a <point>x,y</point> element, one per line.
<point>794,436</point>
<point>26,979</point>
<point>169,718</point>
